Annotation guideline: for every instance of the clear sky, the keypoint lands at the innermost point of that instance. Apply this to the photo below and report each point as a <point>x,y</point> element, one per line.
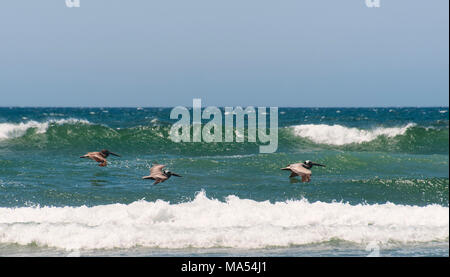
<point>316,53</point>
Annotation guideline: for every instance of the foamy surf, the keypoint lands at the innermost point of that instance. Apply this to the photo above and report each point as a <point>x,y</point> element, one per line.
<point>206,223</point>
<point>15,130</point>
<point>341,135</point>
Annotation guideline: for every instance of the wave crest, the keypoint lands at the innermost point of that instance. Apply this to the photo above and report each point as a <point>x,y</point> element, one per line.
<point>15,130</point>
<point>341,135</point>
<point>205,222</point>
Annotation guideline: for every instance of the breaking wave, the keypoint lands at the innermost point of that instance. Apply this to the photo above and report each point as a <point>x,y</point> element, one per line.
<point>341,135</point>
<point>75,133</point>
<point>15,130</point>
<point>237,223</point>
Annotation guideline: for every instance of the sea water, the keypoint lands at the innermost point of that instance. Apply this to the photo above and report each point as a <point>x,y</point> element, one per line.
<point>384,190</point>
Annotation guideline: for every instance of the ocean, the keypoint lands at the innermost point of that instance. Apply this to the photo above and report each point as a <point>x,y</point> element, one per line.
<point>384,190</point>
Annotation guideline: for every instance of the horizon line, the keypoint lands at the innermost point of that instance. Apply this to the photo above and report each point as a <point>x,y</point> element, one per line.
<point>169,107</point>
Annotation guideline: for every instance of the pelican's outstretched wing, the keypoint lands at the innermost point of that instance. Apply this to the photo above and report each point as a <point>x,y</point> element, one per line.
<point>298,170</point>
<point>156,171</point>
<point>96,156</point>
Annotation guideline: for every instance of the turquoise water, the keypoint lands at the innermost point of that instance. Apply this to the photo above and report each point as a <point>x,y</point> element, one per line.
<point>385,183</point>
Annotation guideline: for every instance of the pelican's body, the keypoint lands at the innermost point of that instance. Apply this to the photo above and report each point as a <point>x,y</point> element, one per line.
<point>301,169</point>
<point>158,174</point>
<point>99,157</point>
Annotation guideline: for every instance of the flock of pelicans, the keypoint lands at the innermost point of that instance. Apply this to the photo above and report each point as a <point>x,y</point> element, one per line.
<point>159,175</point>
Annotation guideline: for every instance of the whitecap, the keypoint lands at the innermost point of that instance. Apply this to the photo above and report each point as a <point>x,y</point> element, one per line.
<point>15,130</point>
<point>341,135</point>
<point>237,223</point>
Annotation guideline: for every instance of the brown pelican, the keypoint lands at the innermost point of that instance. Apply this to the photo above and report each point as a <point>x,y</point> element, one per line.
<point>158,174</point>
<point>301,169</point>
<point>99,157</point>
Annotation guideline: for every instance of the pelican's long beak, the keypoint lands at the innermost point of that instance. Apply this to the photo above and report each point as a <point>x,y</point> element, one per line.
<point>318,164</point>
<point>174,174</point>
<point>114,154</point>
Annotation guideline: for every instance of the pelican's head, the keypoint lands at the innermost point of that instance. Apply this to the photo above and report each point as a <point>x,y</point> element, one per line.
<point>169,173</point>
<point>310,164</point>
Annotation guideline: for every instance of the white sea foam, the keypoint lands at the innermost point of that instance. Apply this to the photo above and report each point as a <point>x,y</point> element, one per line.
<point>341,135</point>
<point>15,130</point>
<point>236,223</point>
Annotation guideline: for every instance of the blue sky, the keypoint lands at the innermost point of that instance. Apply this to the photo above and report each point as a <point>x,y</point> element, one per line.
<point>322,53</point>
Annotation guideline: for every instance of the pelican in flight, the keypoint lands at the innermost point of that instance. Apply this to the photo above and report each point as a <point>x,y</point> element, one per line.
<point>301,169</point>
<point>99,157</point>
<point>158,174</point>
